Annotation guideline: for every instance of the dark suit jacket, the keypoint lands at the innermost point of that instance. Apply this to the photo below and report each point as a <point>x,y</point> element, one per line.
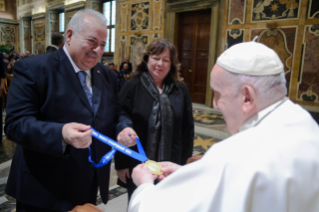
<point>45,93</point>
<point>50,49</point>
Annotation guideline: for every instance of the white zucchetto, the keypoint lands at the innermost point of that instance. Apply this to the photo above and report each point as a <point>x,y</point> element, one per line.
<point>251,58</point>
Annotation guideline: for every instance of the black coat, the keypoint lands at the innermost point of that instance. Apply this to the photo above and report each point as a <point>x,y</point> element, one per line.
<point>137,103</point>
<point>45,93</point>
<point>50,49</point>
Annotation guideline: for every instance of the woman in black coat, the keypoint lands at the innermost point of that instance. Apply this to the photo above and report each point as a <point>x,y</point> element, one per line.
<point>159,105</point>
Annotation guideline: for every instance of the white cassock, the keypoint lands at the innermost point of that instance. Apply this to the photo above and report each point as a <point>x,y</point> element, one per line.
<point>270,166</point>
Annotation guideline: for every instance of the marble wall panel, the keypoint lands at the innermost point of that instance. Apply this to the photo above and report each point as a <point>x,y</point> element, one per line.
<point>139,16</point>
<point>313,9</point>
<point>237,11</point>
<point>308,87</point>
<point>39,48</point>
<point>68,17</point>
<point>157,14</point>
<point>269,10</point>
<point>123,47</point>
<point>124,18</point>
<point>39,31</point>
<point>282,41</point>
<point>137,46</point>
<point>2,5</point>
<point>156,36</point>
<point>234,36</point>
<point>7,34</point>
<point>27,38</point>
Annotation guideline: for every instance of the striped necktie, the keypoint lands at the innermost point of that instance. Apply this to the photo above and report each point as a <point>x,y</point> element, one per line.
<point>82,77</point>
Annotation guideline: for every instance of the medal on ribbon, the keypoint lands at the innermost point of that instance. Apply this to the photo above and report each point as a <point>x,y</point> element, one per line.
<point>153,166</point>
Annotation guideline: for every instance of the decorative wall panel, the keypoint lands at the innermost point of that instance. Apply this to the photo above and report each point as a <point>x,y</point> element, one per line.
<point>68,17</point>
<point>140,16</point>
<point>39,48</point>
<point>123,18</point>
<point>234,36</point>
<point>237,11</point>
<point>313,10</point>
<point>2,5</point>
<point>54,22</point>
<point>137,47</point>
<point>123,48</point>
<point>7,34</point>
<point>157,14</point>
<point>140,22</point>
<point>39,31</point>
<point>156,36</point>
<point>275,9</point>
<point>308,87</point>
<point>27,38</point>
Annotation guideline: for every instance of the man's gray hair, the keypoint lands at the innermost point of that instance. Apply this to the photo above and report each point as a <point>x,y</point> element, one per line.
<point>268,88</point>
<point>76,21</point>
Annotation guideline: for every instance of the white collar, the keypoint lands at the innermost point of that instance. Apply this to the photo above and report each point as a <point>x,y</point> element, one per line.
<point>76,69</point>
<point>254,120</point>
<point>54,46</point>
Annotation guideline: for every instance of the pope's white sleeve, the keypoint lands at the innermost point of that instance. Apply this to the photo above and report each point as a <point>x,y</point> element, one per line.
<point>138,196</point>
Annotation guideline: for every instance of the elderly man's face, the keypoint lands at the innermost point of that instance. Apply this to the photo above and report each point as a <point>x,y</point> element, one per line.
<point>87,47</point>
<point>224,100</point>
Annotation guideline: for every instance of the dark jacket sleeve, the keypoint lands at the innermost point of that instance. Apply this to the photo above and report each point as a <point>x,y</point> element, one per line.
<point>23,124</point>
<point>2,66</point>
<point>126,102</point>
<point>188,126</point>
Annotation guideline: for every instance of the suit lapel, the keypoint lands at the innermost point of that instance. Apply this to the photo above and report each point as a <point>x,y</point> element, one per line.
<point>96,88</point>
<point>67,71</point>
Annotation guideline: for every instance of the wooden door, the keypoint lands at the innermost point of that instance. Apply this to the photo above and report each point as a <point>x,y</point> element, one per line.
<point>193,47</point>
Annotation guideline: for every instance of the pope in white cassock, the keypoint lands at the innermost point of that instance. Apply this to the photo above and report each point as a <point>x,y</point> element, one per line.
<point>269,164</point>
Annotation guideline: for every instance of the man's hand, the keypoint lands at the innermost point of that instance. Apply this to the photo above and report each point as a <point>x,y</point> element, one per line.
<point>77,135</point>
<point>127,137</point>
<point>141,175</point>
<point>167,169</point>
<point>122,174</point>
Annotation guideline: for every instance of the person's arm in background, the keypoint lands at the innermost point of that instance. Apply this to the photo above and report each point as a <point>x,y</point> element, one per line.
<point>126,101</point>
<point>188,126</point>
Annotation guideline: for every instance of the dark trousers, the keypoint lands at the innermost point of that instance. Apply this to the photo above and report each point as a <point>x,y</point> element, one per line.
<point>27,208</point>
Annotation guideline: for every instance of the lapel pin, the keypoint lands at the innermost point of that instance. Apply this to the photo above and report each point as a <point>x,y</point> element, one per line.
<point>98,71</point>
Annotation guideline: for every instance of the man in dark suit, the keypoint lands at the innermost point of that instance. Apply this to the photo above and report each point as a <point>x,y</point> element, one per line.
<point>53,101</point>
<point>57,40</point>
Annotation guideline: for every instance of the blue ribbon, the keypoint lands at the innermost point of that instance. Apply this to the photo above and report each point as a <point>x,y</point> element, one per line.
<point>116,147</point>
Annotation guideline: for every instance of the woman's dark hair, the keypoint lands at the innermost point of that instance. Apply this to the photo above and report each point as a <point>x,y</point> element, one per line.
<point>157,47</point>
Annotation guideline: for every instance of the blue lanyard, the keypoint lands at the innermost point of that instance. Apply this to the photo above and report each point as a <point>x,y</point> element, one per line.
<point>116,147</point>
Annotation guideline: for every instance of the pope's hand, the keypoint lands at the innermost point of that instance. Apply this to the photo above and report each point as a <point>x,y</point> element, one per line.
<point>77,135</point>
<point>127,137</point>
<point>141,175</point>
<point>122,174</point>
<point>167,169</point>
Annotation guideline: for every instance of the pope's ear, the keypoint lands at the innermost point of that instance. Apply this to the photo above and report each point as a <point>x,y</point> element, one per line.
<point>248,98</point>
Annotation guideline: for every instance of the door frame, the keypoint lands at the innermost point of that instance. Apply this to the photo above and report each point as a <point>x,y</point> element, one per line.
<point>171,22</point>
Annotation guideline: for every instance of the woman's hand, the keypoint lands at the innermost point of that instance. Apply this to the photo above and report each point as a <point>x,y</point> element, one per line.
<point>127,137</point>
<point>122,174</point>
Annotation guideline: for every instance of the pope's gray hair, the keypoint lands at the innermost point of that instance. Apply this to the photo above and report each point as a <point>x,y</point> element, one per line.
<point>76,21</point>
<point>268,88</point>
